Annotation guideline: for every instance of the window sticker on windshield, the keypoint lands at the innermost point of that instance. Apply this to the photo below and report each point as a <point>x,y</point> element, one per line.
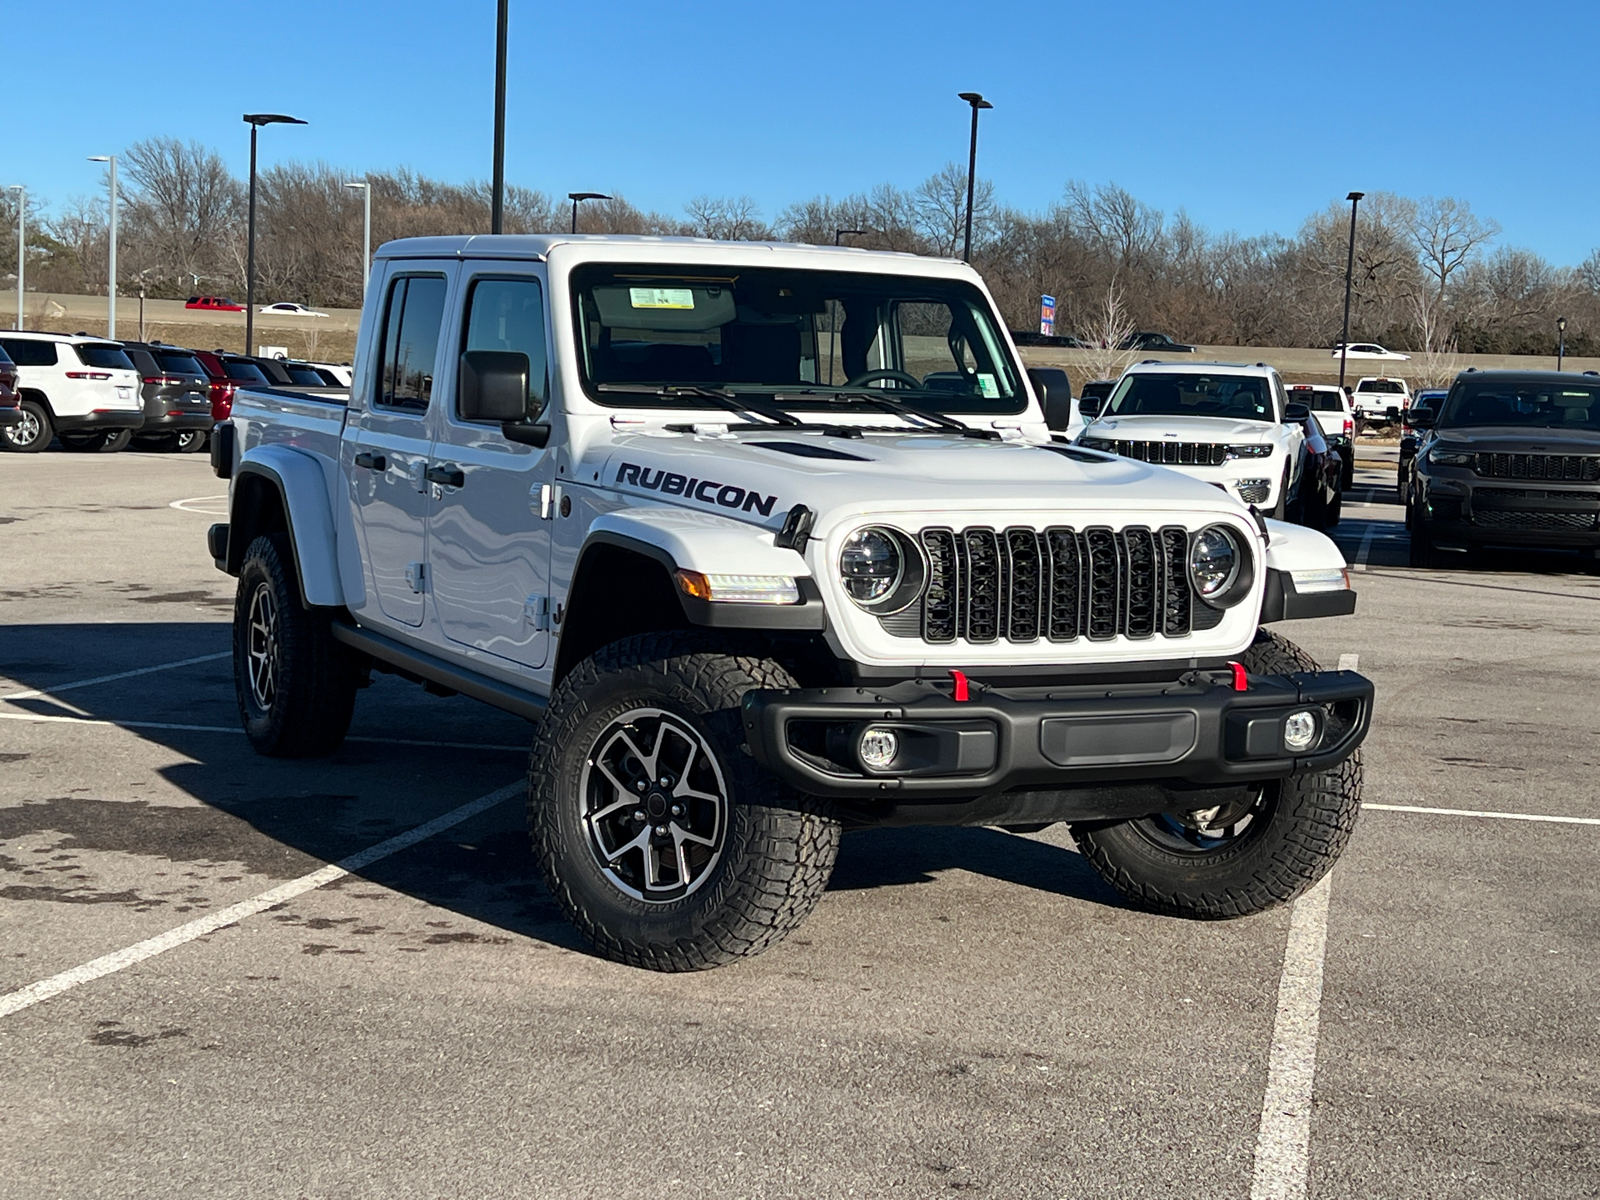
<point>661,297</point>
<point>988,386</point>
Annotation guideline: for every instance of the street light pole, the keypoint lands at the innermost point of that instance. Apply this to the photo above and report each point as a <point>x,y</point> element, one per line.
<point>111,284</point>
<point>977,102</point>
<point>22,242</point>
<point>1349,271</point>
<point>497,202</point>
<point>837,233</point>
<point>578,198</point>
<point>366,242</point>
<point>1561,340</point>
<point>255,121</point>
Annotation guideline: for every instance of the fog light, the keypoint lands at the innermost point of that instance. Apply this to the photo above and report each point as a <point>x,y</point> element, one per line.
<point>1300,730</point>
<point>877,748</point>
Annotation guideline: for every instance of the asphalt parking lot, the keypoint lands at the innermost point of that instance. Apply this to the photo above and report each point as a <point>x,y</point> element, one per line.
<point>968,1011</point>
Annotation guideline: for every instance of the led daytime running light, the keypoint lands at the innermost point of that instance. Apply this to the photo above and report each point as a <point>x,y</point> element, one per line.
<point>739,589</point>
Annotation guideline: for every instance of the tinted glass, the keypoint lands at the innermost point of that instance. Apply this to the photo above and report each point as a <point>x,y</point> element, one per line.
<point>1237,397</point>
<point>1320,401</point>
<point>303,376</point>
<point>786,331</point>
<point>5,359</point>
<point>508,314</point>
<point>1387,387</point>
<point>1526,405</point>
<point>245,372</point>
<point>143,362</point>
<point>412,318</point>
<point>27,353</point>
<point>106,357</point>
<point>179,364</point>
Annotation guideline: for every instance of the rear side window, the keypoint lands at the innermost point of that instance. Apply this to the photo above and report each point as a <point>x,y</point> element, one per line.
<point>106,357</point>
<point>508,314</point>
<point>179,364</point>
<point>412,316</point>
<point>1324,402</point>
<point>143,362</point>
<point>303,376</point>
<point>5,359</point>
<point>26,352</point>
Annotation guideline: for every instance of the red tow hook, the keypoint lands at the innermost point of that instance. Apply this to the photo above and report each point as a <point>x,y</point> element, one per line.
<point>1241,680</point>
<point>959,678</point>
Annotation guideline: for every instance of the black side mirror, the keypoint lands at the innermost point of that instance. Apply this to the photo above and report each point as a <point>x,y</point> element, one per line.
<point>493,386</point>
<point>1089,406</point>
<point>1293,414</point>
<point>1420,418</point>
<point>1055,395</point>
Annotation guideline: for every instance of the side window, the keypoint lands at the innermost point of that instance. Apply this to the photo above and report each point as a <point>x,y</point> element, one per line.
<point>26,352</point>
<point>412,315</point>
<point>508,314</point>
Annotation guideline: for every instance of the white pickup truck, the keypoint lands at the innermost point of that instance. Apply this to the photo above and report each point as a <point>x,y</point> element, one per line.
<point>767,542</point>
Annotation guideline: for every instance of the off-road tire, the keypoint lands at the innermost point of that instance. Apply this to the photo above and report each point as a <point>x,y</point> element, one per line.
<point>778,848</point>
<point>1303,825</point>
<point>36,419</point>
<point>315,678</point>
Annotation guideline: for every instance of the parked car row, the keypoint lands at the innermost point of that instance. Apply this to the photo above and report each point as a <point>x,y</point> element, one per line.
<point>93,394</point>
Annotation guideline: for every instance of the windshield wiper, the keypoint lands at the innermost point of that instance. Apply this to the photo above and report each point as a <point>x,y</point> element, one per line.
<point>717,396</point>
<point>900,409</point>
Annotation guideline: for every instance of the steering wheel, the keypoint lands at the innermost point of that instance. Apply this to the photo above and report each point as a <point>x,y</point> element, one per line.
<point>867,377</point>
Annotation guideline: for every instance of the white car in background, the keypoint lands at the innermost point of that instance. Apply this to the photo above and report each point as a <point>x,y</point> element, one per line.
<point>1224,423</point>
<point>286,309</point>
<point>1371,350</point>
<point>84,390</point>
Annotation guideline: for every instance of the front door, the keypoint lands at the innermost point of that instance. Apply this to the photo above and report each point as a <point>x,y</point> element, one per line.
<point>489,533</point>
<point>390,446</point>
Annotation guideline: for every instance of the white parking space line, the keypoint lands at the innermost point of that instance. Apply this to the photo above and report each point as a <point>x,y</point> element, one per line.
<point>1472,812</point>
<point>1366,546</point>
<point>34,993</point>
<point>83,683</point>
<point>1283,1143</point>
<point>1349,662</point>
<point>206,506</point>
<point>51,718</point>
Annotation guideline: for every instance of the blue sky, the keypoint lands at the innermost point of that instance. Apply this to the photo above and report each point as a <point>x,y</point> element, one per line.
<point>1248,114</point>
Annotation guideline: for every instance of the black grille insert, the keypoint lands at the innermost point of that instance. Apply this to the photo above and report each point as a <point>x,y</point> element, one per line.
<point>1571,467</point>
<point>1183,454</point>
<point>1021,585</point>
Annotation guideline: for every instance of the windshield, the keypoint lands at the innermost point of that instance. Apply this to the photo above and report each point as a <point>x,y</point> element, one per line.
<point>928,342</point>
<point>1185,394</point>
<point>1523,405</point>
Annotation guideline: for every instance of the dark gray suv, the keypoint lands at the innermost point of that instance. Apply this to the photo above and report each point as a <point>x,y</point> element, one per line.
<point>177,403</point>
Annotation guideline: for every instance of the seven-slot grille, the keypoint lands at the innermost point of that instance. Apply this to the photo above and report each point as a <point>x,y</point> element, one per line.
<point>1183,454</point>
<point>1577,467</point>
<point>1021,585</point>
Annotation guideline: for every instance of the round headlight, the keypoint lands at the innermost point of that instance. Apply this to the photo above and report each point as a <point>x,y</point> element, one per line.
<point>1214,558</point>
<point>871,565</point>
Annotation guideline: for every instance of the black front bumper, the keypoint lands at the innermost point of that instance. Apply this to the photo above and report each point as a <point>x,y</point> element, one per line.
<point>1463,509</point>
<point>1197,732</point>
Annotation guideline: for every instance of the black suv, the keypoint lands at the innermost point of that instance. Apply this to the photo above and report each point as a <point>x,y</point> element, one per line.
<point>176,391</point>
<point>1509,458</point>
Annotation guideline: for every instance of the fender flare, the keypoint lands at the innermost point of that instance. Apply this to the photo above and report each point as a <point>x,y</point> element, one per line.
<point>1295,550</point>
<point>302,489</point>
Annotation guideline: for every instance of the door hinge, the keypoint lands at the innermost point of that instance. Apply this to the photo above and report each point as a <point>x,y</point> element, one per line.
<point>536,611</point>
<point>417,576</point>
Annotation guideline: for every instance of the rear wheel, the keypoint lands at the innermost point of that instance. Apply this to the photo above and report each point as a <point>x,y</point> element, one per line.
<point>661,839</point>
<point>296,685</point>
<point>33,434</point>
<point>1229,860</point>
<point>190,441</point>
<point>99,441</point>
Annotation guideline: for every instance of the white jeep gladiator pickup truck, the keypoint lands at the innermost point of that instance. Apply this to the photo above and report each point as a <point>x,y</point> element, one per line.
<point>767,542</point>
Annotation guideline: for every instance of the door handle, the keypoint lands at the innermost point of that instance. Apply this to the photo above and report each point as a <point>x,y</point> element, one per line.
<point>446,473</point>
<point>371,461</point>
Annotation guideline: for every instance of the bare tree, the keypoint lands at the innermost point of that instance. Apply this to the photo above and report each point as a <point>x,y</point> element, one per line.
<point>1106,328</point>
<point>939,208</point>
<point>1447,234</point>
<point>727,219</point>
<point>181,207</point>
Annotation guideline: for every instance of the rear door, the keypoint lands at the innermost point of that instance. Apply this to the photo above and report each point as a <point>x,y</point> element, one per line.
<point>388,447</point>
<point>489,531</point>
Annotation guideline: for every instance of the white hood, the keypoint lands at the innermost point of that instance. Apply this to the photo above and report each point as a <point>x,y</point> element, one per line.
<point>1180,429</point>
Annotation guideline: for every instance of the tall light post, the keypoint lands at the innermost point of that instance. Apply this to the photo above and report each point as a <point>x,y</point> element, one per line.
<point>366,236</point>
<point>256,121</point>
<point>839,233</point>
<point>111,284</point>
<point>497,201</point>
<point>1561,340</point>
<point>22,242</point>
<point>977,102</point>
<point>578,198</point>
<point>1349,271</point>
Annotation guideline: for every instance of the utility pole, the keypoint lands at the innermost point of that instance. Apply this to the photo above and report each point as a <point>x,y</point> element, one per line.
<point>22,243</point>
<point>1349,271</point>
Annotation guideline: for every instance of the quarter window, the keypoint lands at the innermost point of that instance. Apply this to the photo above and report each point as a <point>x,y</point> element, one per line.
<point>26,352</point>
<point>413,314</point>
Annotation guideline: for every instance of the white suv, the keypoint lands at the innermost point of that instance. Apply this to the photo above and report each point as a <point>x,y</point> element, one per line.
<point>84,389</point>
<point>1225,423</point>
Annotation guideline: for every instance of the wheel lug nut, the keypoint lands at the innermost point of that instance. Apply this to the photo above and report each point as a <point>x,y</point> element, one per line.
<point>638,814</point>
<point>661,831</point>
<point>666,781</point>
<point>640,786</point>
<point>677,810</point>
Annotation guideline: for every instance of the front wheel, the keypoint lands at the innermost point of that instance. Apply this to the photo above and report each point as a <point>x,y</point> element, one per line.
<point>1231,860</point>
<point>296,685</point>
<point>663,841</point>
